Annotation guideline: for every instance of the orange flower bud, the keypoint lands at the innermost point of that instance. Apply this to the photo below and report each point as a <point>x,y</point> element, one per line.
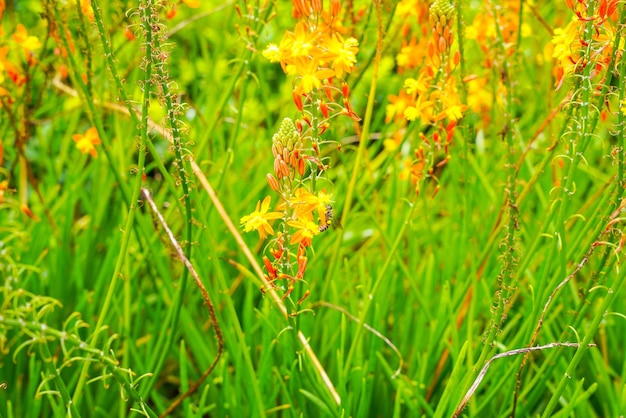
<point>442,44</point>
<point>335,7</point>
<point>271,180</point>
<point>284,168</point>
<point>457,58</point>
<point>450,131</point>
<point>129,34</point>
<point>285,154</point>
<point>171,13</point>
<point>324,109</point>
<point>345,90</point>
<point>301,166</point>
<point>297,99</point>
<point>316,5</point>
<point>302,262</point>
<point>277,166</point>
<point>271,270</point>
<point>299,126</point>
<point>329,92</point>
<point>293,159</point>
<point>300,9</point>
<point>431,49</point>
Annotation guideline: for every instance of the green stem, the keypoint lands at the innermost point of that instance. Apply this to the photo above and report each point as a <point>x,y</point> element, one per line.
<point>146,22</point>
<point>612,292</point>
<point>48,361</point>
<point>356,171</point>
<point>372,293</point>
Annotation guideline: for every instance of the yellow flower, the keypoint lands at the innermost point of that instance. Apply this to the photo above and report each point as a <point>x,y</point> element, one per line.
<point>311,74</point>
<point>305,231</point>
<point>258,220</point>
<point>303,203</point>
<point>397,105</point>
<point>85,7</point>
<point>324,201</point>
<point>341,53</point>
<point>422,110</point>
<point>272,53</point>
<point>419,86</point>
<point>85,142</point>
<point>567,45</point>
<point>454,112</point>
<point>29,43</point>
<point>300,42</point>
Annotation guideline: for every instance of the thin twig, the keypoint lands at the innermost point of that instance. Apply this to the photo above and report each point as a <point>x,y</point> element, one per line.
<point>614,216</point>
<point>205,295</point>
<point>483,371</point>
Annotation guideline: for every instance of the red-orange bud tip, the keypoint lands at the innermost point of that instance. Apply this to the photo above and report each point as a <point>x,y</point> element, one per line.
<point>329,92</point>
<point>335,7</point>
<point>301,167</point>
<point>345,90</point>
<point>324,109</point>
<point>170,13</point>
<point>297,99</point>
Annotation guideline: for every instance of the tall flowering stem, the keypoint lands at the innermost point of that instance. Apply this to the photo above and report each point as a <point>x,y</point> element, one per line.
<point>431,98</point>
<point>318,57</point>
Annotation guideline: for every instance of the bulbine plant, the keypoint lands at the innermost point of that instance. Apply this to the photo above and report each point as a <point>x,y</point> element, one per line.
<point>317,57</point>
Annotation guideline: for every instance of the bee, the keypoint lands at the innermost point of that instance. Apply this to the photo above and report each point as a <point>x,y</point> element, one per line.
<point>329,218</point>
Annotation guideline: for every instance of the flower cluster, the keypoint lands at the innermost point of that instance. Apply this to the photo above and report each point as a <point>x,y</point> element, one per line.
<point>432,98</point>
<point>315,52</point>
<point>11,65</point>
<point>302,214</point>
<point>318,56</point>
<point>483,32</point>
<point>570,45</point>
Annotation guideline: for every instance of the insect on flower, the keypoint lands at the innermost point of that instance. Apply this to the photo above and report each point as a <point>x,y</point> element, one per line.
<point>329,218</point>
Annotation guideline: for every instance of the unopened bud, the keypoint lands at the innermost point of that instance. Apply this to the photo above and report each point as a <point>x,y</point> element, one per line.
<point>324,109</point>
<point>335,7</point>
<point>273,183</point>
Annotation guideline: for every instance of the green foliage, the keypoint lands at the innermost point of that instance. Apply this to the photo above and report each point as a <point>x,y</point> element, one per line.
<point>514,239</point>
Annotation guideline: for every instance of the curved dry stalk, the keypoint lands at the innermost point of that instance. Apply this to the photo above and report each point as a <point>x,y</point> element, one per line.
<point>205,295</point>
<point>483,371</point>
